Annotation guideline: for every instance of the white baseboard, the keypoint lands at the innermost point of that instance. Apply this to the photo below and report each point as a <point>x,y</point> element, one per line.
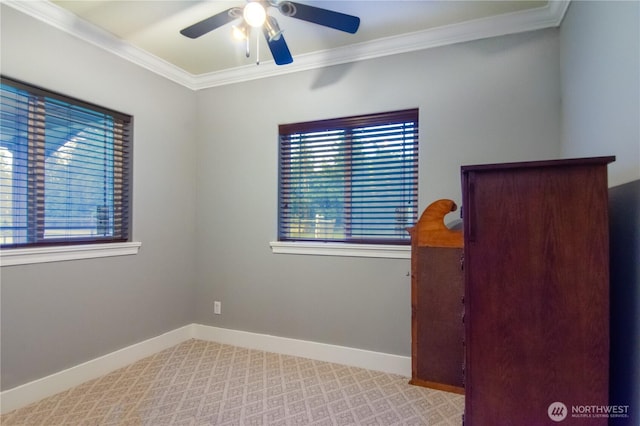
<point>28,393</point>
<point>378,361</point>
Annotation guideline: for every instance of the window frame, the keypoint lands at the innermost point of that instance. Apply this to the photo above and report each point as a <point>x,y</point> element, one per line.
<point>348,246</point>
<point>86,246</point>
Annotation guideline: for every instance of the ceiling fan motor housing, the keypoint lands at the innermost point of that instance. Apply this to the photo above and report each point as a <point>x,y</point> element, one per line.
<point>286,8</point>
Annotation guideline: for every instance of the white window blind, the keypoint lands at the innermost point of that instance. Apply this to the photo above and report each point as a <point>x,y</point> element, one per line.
<point>65,169</point>
<point>351,179</point>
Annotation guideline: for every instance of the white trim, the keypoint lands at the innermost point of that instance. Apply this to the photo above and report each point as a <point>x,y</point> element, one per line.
<point>25,256</point>
<point>378,361</point>
<point>62,19</point>
<point>341,249</point>
<point>550,15</point>
<point>28,393</point>
<point>36,390</point>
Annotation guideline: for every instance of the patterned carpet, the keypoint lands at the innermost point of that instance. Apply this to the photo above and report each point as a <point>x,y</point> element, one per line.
<point>207,383</point>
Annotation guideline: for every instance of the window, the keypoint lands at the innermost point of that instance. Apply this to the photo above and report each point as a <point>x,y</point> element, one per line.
<point>64,169</point>
<point>350,179</point>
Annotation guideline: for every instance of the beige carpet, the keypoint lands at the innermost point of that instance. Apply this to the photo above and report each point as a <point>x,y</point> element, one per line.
<point>207,383</point>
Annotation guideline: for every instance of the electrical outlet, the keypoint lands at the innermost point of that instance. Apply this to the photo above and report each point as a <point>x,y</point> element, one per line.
<point>217,307</point>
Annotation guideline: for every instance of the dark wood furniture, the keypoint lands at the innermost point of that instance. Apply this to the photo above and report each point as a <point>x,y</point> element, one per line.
<point>536,253</point>
<point>437,289</point>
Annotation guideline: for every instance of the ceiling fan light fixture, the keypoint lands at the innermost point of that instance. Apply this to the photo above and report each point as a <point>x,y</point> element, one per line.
<point>254,14</point>
<point>240,32</point>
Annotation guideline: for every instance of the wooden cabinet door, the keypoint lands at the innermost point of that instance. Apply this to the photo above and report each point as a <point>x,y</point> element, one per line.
<point>437,313</point>
<point>437,351</point>
<point>536,291</point>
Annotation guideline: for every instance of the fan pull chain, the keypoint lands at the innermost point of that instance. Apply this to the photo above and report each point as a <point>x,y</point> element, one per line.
<point>257,48</point>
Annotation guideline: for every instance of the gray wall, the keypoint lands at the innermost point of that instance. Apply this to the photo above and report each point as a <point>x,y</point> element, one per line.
<point>58,315</point>
<point>485,101</point>
<point>600,65</point>
<point>600,62</point>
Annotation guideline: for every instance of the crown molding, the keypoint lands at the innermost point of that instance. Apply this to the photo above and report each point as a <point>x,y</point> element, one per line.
<point>548,16</point>
<point>66,21</point>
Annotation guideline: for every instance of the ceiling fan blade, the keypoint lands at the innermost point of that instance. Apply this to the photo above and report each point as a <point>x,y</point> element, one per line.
<point>325,17</point>
<point>211,23</point>
<point>279,49</point>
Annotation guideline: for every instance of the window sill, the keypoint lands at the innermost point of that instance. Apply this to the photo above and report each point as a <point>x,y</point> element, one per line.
<point>11,257</point>
<point>341,249</point>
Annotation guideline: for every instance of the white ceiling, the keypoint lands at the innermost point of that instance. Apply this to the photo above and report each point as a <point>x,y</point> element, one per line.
<point>147,32</point>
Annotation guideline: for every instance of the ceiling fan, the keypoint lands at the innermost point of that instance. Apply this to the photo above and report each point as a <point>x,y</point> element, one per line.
<point>254,15</point>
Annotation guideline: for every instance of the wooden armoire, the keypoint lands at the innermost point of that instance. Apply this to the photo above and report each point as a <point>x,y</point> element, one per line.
<point>536,265</point>
<point>437,353</point>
